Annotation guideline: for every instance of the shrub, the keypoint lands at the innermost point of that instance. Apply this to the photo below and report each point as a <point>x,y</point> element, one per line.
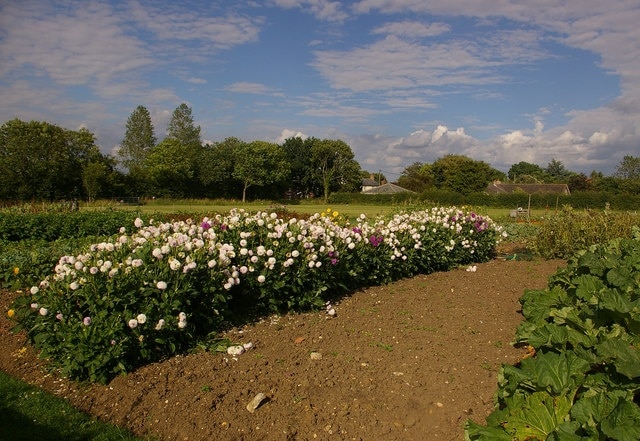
<point>570,230</point>
<point>153,292</point>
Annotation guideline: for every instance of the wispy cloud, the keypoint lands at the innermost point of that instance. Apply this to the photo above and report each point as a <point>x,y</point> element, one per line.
<point>73,46</point>
<point>253,88</point>
<point>393,63</point>
<point>412,29</point>
<point>173,22</point>
<point>322,9</point>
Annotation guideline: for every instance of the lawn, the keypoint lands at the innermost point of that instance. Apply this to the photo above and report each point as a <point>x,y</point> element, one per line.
<point>29,413</point>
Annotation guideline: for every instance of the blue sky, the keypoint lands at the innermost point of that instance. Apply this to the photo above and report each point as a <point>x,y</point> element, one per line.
<point>400,81</point>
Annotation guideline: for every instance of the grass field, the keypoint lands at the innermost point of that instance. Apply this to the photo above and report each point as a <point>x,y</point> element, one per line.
<point>28,413</point>
<point>351,211</point>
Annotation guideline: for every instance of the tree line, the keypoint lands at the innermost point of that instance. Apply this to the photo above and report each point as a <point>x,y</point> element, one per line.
<point>41,161</point>
<point>464,175</point>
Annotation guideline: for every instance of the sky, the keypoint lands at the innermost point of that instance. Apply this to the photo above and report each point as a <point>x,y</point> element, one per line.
<point>400,81</point>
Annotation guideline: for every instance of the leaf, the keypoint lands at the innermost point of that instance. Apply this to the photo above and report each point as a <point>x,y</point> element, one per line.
<point>593,409</point>
<point>626,358</point>
<point>613,300</point>
<point>556,372</point>
<point>620,277</point>
<point>623,424</point>
<point>587,285</point>
<point>537,303</point>
<point>540,416</point>
<point>476,432</point>
<point>554,336</point>
<point>566,432</point>
<point>593,263</point>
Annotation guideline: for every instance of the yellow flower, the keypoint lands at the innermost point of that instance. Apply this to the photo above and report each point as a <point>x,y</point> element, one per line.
<point>16,270</point>
<point>328,210</point>
<point>11,313</point>
<point>336,214</point>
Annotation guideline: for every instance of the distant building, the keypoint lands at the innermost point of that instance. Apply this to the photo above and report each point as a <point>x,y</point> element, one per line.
<point>497,187</point>
<point>387,188</point>
<point>369,183</point>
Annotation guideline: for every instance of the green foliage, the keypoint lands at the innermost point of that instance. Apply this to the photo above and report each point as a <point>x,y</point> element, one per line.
<point>182,127</point>
<point>629,168</point>
<point>139,140</point>
<point>560,235</point>
<point>333,166</point>
<point>42,161</point>
<point>53,226</point>
<point>417,177</point>
<point>462,174</point>
<point>584,379</point>
<point>525,172</point>
<point>260,163</point>
<point>159,290</point>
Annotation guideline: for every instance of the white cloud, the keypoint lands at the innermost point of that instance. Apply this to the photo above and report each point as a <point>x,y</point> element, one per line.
<point>412,29</point>
<point>254,88</point>
<point>321,9</point>
<point>73,47</point>
<point>287,133</point>
<point>194,80</point>
<point>175,23</point>
<point>393,63</point>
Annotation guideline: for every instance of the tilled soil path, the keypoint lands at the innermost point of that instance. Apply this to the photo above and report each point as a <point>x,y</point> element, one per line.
<point>409,361</point>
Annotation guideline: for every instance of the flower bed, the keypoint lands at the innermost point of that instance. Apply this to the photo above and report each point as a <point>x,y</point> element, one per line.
<point>156,291</point>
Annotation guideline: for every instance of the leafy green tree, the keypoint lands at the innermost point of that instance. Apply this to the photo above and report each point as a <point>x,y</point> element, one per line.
<point>98,178</point>
<point>526,173</point>
<point>579,182</point>
<point>42,161</point>
<point>182,127</point>
<point>334,166</point>
<point>260,163</point>
<point>629,168</point>
<point>416,177</point>
<point>463,175</point>
<point>215,171</point>
<point>301,171</point>
<point>599,182</point>
<point>557,171</point>
<point>171,169</point>
<point>138,140</point>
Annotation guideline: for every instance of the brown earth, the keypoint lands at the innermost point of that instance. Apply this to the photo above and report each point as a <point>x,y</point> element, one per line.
<point>412,360</point>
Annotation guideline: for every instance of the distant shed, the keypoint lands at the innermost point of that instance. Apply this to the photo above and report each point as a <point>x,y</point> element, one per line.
<point>388,188</point>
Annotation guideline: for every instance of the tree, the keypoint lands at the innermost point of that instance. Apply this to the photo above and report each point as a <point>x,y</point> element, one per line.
<point>260,163</point>
<point>138,140</point>
<point>215,170</point>
<point>171,168</point>
<point>557,171</point>
<point>578,182</point>
<point>182,128</point>
<point>629,168</point>
<point>526,173</point>
<point>416,177</point>
<point>39,160</point>
<point>94,179</point>
<point>463,175</point>
<point>334,166</point>
<point>301,171</point>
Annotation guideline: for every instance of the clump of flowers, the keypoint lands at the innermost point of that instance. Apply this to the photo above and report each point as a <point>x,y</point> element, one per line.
<point>151,293</point>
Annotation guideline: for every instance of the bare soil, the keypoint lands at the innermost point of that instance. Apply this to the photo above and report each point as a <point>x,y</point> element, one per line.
<point>412,360</point>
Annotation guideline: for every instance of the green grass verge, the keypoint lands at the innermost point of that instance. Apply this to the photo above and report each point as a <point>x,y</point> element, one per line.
<point>29,413</point>
<point>351,211</point>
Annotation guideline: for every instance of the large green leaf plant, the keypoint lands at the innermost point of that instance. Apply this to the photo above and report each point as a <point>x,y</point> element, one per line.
<point>583,383</point>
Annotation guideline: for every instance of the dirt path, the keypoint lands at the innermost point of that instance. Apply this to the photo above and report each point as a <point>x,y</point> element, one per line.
<point>408,361</point>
